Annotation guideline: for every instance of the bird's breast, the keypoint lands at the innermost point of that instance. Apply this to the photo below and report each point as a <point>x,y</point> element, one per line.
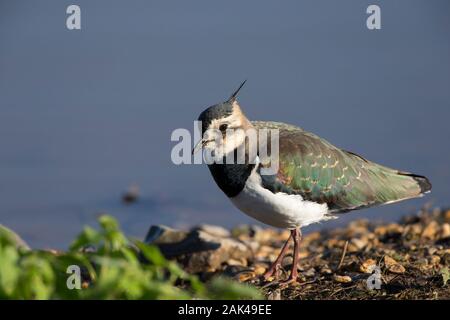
<point>279,210</point>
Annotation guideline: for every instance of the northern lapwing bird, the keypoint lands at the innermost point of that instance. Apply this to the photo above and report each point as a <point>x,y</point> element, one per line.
<point>315,180</point>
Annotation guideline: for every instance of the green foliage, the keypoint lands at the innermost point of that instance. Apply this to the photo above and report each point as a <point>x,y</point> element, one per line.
<point>224,289</point>
<point>113,268</point>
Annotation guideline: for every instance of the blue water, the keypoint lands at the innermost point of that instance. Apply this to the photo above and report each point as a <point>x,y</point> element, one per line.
<point>83,114</point>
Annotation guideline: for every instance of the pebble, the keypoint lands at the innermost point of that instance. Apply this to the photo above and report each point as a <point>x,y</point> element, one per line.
<point>391,229</point>
<point>214,230</point>
<point>260,270</point>
<point>342,279</point>
<point>429,232</point>
<point>397,268</point>
<point>313,236</point>
<point>366,266</point>
<point>393,266</point>
<point>234,262</point>
<point>445,231</point>
<point>287,261</point>
<point>357,244</point>
<point>326,270</point>
<point>413,230</point>
<point>309,273</point>
<point>447,216</point>
<point>245,276</point>
<point>435,259</point>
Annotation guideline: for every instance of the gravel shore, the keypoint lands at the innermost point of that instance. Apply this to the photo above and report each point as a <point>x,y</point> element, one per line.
<point>404,260</point>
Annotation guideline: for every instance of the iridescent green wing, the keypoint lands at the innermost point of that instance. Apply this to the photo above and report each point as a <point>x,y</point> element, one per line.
<point>322,173</point>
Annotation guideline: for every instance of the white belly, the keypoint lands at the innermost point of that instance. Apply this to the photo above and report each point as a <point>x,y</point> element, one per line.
<point>279,210</point>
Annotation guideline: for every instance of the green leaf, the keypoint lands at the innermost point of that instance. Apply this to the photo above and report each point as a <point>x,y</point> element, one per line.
<point>36,280</point>
<point>151,253</point>
<point>108,223</point>
<point>9,272</point>
<point>227,289</point>
<point>113,271</point>
<point>88,237</point>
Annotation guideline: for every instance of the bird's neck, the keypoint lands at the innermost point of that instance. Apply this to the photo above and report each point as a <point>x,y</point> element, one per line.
<point>231,178</point>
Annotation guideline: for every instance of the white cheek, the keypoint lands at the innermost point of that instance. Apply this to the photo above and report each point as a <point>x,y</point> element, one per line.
<point>233,141</point>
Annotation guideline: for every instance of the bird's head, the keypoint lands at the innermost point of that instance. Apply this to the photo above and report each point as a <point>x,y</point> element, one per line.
<point>224,126</point>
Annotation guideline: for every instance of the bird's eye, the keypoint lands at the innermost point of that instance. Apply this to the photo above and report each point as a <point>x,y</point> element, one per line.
<point>223,127</point>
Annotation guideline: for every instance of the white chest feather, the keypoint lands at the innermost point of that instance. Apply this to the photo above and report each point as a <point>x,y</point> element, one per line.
<point>277,209</point>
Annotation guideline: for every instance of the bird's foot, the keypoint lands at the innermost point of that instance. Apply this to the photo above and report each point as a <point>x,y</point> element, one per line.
<point>289,281</point>
<point>274,268</point>
<point>271,273</point>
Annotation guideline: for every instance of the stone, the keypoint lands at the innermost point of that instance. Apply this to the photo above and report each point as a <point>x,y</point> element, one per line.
<point>303,254</point>
<point>265,252</point>
<point>342,279</point>
<point>432,250</point>
<point>309,237</point>
<point>241,231</point>
<point>367,265</point>
<point>445,231</point>
<point>393,266</point>
<point>197,250</point>
<point>266,236</point>
<point>214,230</point>
<point>413,230</point>
<point>245,231</point>
<point>160,234</point>
<point>380,231</point>
<point>245,276</point>
<point>335,243</point>
<point>435,259</point>
<point>252,245</point>
<point>397,268</point>
<point>326,270</point>
<point>260,269</point>
<point>357,227</point>
<point>284,235</point>
<point>388,261</point>
<point>309,273</point>
<point>357,244</point>
<point>234,271</point>
<point>234,262</point>
<point>430,231</point>
<point>447,216</point>
<point>287,261</point>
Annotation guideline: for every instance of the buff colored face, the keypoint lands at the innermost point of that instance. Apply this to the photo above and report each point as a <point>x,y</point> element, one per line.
<point>224,135</point>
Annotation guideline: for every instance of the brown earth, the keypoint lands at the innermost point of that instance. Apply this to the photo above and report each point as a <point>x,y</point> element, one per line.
<point>412,257</point>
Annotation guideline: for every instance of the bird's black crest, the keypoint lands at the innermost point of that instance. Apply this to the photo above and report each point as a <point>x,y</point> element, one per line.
<point>216,111</point>
<point>219,111</point>
<point>234,95</point>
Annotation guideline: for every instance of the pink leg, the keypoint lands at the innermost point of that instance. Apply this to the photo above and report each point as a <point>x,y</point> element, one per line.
<point>274,268</point>
<point>296,234</point>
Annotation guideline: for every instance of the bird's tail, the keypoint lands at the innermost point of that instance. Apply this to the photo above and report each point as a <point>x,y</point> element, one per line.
<point>400,185</point>
<point>422,182</point>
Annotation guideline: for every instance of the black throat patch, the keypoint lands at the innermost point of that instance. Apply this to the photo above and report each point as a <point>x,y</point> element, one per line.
<point>231,178</point>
